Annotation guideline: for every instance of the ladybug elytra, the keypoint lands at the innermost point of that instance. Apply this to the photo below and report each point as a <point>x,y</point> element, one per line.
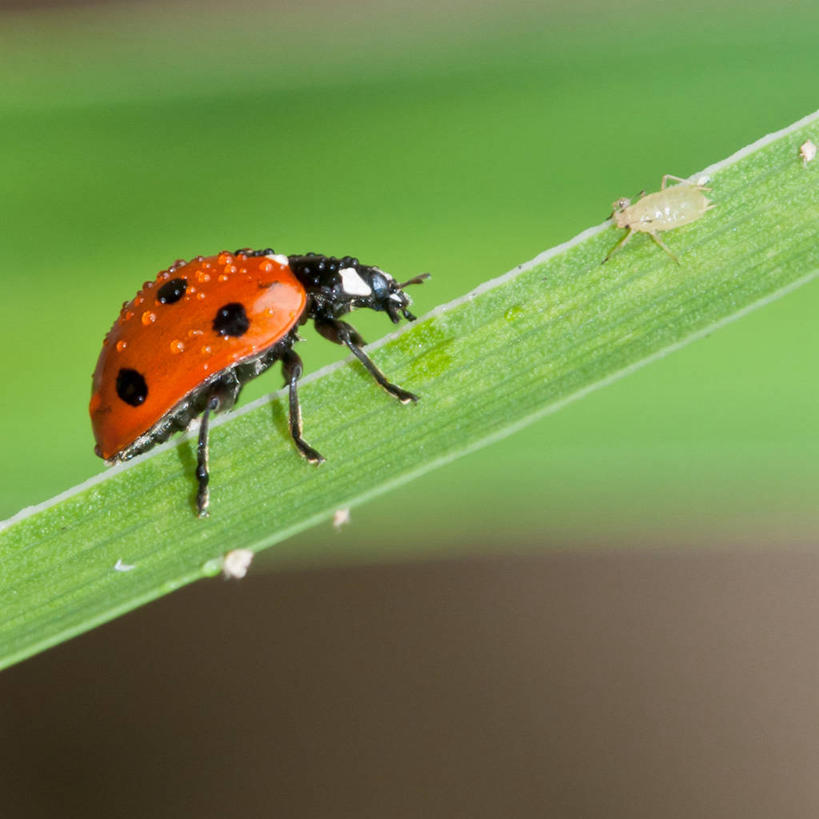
<point>189,340</point>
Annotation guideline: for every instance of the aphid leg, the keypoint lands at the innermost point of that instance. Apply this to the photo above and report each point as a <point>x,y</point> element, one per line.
<point>621,243</point>
<point>202,453</point>
<point>668,176</point>
<point>292,369</point>
<point>342,333</point>
<point>663,245</point>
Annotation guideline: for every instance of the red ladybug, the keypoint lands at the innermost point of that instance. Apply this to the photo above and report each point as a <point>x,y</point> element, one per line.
<point>188,341</point>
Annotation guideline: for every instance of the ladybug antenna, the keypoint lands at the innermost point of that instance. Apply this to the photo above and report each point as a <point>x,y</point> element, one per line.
<point>414,280</point>
<point>407,315</point>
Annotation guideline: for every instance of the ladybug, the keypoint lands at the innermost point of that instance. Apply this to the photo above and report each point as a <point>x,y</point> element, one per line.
<point>189,340</point>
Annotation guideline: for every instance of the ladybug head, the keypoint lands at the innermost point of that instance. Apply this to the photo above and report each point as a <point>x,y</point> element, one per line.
<point>388,295</point>
<point>337,286</point>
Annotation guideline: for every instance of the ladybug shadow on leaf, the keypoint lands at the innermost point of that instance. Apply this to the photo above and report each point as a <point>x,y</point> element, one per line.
<point>186,452</point>
<point>278,430</point>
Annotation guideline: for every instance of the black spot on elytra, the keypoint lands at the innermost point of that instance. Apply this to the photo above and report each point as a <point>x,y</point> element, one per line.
<point>131,387</point>
<point>231,320</point>
<point>172,291</point>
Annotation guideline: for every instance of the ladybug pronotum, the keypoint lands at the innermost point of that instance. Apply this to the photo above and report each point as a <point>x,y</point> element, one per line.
<point>189,340</point>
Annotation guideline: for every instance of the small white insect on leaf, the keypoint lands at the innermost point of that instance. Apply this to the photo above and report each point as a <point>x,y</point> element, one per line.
<point>236,563</point>
<point>341,517</point>
<point>119,566</point>
<point>666,209</point>
<point>807,151</point>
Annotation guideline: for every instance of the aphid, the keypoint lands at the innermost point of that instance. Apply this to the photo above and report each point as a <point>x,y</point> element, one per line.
<point>666,209</point>
<point>189,340</point>
<point>807,151</point>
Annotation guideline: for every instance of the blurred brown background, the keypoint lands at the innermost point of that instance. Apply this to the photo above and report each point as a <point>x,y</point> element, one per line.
<point>605,684</point>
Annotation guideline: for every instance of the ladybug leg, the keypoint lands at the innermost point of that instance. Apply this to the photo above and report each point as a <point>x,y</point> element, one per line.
<point>202,453</point>
<point>224,397</point>
<point>342,333</point>
<point>292,368</point>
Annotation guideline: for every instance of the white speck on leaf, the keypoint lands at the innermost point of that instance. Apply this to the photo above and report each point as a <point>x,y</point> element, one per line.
<point>236,563</point>
<point>807,150</point>
<point>119,566</point>
<point>341,517</point>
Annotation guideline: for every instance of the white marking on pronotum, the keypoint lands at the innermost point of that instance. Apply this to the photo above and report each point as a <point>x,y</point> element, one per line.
<point>353,283</point>
<point>235,564</point>
<point>340,518</point>
<point>280,258</point>
<point>119,566</point>
<point>807,150</point>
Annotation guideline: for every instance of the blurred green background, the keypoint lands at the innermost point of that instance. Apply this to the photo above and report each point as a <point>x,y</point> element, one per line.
<point>459,138</point>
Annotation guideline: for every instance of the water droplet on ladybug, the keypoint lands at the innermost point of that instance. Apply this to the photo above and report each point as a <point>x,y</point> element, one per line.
<point>202,276</point>
<point>266,266</point>
<point>224,258</point>
<point>148,317</point>
<point>121,345</point>
<point>177,346</point>
<point>206,349</point>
